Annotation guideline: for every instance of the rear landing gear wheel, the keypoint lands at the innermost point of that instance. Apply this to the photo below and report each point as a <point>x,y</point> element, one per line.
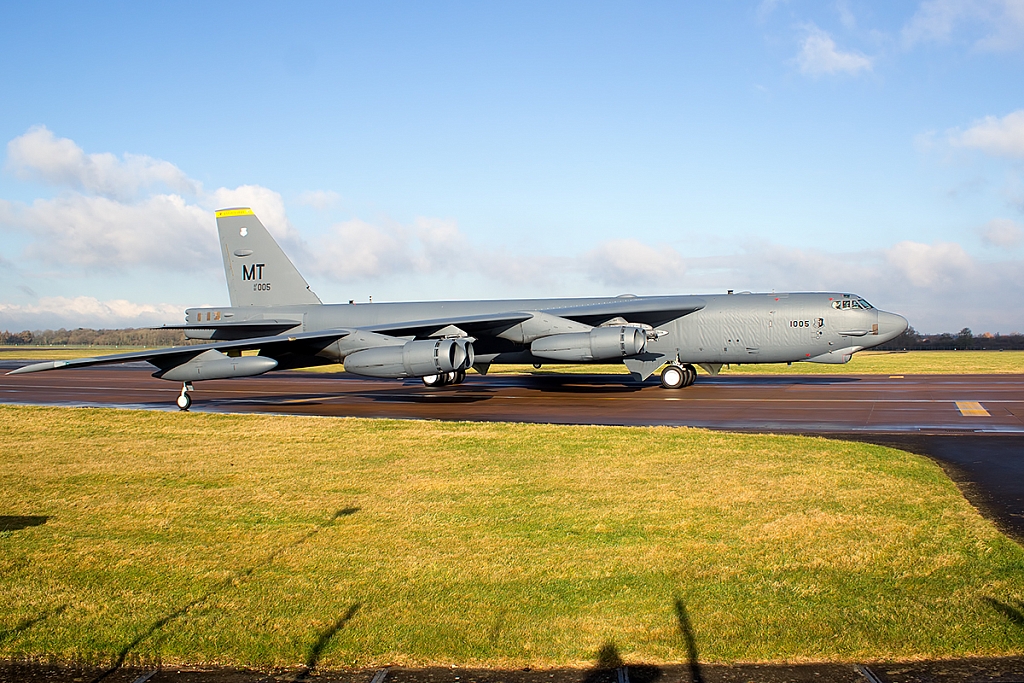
<point>673,376</point>
<point>434,380</point>
<point>691,375</point>
<point>460,377</point>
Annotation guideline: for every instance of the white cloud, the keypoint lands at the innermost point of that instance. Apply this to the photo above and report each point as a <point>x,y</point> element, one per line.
<point>111,214</point>
<point>86,311</point>
<point>89,232</point>
<point>628,262</point>
<point>819,55</point>
<point>1001,232</point>
<point>1000,137</point>
<point>938,265</point>
<point>938,286</point>
<point>767,7</point>
<point>846,16</point>
<point>358,250</point>
<point>318,199</point>
<point>40,155</point>
<point>997,25</point>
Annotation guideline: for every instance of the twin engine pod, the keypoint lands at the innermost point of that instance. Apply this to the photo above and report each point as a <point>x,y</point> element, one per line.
<point>600,343</point>
<point>413,359</point>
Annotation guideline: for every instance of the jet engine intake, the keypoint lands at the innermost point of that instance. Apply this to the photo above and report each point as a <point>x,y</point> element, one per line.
<point>600,343</point>
<point>412,359</point>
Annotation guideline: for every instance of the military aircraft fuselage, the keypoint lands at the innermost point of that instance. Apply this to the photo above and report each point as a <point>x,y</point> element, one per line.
<point>276,316</point>
<point>728,328</point>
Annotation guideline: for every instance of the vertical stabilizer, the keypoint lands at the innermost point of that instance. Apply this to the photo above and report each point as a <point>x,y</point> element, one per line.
<point>257,270</point>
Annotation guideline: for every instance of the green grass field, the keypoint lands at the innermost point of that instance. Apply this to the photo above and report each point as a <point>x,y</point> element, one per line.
<point>263,540</point>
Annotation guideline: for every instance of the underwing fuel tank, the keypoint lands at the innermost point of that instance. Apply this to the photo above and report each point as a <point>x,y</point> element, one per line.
<point>600,343</point>
<point>412,359</point>
<point>215,365</point>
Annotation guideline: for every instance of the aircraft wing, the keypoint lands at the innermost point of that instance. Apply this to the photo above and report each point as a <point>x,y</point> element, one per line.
<point>175,355</point>
<point>653,311</point>
<point>473,325</point>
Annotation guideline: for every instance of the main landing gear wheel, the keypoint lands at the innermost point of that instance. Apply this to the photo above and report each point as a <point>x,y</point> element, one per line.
<point>672,377</point>
<point>676,376</point>
<point>445,378</point>
<point>184,401</point>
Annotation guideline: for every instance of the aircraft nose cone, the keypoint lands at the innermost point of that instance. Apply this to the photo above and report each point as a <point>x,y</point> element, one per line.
<point>891,325</point>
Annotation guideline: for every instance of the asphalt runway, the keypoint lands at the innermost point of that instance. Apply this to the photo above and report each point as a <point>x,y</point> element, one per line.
<point>877,404</point>
<point>973,425</point>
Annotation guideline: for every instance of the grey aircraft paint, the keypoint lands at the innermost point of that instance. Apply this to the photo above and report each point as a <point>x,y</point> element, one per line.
<point>274,311</point>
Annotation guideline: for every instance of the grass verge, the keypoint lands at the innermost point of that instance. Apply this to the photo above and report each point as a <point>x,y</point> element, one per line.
<point>262,540</point>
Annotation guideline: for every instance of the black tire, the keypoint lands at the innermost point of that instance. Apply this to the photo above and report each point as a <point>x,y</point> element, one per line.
<point>673,376</point>
<point>691,374</point>
<point>433,380</point>
<point>460,377</point>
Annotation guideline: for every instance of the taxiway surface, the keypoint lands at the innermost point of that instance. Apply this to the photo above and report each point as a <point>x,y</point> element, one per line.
<point>972,424</point>
<point>932,404</point>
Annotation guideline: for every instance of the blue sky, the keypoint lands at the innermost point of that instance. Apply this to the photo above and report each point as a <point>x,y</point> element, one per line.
<point>416,151</point>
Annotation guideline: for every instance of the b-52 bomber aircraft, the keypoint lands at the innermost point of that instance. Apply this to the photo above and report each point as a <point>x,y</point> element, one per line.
<point>274,313</point>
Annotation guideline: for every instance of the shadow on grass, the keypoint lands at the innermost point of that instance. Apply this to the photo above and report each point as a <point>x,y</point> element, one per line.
<point>686,629</point>
<point>235,579</point>
<point>325,637</point>
<point>608,662</point>
<point>1015,613</point>
<point>19,522</point>
<point>26,624</point>
<point>610,668</point>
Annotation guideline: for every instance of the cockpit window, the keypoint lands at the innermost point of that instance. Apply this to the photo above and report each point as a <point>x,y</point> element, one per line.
<point>847,304</point>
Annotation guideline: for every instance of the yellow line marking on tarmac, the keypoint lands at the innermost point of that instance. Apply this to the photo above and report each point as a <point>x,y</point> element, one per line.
<point>971,409</point>
<point>895,376</point>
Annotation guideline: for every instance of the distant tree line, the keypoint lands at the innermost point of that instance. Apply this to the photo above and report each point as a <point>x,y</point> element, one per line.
<point>87,337</point>
<point>964,340</point>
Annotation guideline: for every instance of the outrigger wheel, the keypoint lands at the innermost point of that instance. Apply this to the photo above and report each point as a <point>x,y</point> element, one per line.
<point>184,400</point>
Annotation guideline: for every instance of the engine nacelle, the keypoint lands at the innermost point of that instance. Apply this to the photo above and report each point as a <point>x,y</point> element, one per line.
<point>412,359</point>
<point>600,343</point>
<point>213,364</point>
